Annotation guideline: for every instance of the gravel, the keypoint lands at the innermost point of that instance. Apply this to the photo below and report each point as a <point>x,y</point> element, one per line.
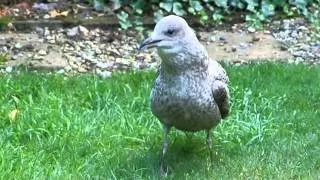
<point>100,51</point>
<point>84,50</point>
<point>297,37</point>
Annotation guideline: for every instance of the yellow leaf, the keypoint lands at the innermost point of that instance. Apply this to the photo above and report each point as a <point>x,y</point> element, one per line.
<point>13,115</point>
<point>54,13</point>
<point>64,13</point>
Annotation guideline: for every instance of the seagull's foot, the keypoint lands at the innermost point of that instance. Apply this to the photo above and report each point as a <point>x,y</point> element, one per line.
<point>163,170</point>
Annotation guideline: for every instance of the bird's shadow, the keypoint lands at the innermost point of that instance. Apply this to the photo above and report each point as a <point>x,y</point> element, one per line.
<point>185,155</point>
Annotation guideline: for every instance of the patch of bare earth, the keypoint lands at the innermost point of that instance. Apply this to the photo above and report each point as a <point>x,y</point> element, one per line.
<point>239,47</point>
<point>234,47</point>
<point>52,59</point>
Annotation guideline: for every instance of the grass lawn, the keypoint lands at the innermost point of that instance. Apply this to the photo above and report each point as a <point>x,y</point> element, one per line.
<point>86,127</point>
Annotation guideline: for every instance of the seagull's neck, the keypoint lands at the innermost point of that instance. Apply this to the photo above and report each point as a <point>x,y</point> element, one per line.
<point>188,60</point>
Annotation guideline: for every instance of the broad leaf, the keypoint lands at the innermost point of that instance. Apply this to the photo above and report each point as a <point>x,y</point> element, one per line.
<point>138,6</point>
<point>196,5</point>
<point>158,15</point>
<point>178,9</point>
<point>252,4</point>
<point>267,8</point>
<point>166,6</point>
<point>222,3</point>
<point>191,10</point>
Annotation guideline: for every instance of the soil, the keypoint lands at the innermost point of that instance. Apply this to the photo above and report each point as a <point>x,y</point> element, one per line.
<point>99,43</point>
<point>237,47</point>
<point>263,47</point>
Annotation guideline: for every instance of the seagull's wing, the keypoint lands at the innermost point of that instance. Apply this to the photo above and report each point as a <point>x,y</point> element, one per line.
<point>220,88</point>
<point>217,72</point>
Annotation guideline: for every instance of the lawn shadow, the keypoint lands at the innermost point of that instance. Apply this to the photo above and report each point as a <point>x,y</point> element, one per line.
<point>186,156</point>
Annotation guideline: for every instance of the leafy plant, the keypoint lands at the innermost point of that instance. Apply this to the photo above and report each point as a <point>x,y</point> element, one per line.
<point>124,21</point>
<point>4,21</point>
<point>211,11</point>
<point>3,58</point>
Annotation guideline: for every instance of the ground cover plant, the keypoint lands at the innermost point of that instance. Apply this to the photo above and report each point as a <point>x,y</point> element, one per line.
<point>255,12</point>
<point>86,127</point>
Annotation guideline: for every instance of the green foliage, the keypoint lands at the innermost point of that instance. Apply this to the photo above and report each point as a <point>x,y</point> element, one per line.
<point>125,23</point>
<point>210,11</point>
<point>4,20</point>
<point>3,58</point>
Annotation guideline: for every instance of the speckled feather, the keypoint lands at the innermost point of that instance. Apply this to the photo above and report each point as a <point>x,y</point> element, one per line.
<point>191,92</point>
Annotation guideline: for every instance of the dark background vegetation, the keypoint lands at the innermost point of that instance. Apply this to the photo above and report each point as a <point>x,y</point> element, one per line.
<point>255,12</point>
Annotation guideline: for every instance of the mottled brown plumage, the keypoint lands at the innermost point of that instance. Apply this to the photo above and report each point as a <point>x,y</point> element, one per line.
<point>191,92</point>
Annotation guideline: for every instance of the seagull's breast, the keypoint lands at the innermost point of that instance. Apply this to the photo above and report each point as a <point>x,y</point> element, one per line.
<point>185,102</point>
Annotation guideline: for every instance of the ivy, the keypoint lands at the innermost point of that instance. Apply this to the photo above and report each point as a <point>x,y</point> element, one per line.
<point>255,12</point>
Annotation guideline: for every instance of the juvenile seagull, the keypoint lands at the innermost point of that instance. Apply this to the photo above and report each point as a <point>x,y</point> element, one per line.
<point>191,92</point>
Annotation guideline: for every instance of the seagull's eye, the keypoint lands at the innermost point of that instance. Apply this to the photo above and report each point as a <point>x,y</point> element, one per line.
<point>170,32</point>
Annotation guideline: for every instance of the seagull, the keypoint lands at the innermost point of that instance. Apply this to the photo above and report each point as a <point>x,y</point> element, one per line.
<point>191,91</point>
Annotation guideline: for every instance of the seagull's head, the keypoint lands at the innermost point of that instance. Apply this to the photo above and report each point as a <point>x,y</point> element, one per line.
<point>171,34</point>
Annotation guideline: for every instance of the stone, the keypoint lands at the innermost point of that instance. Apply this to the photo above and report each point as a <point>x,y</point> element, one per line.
<point>48,37</point>
<point>286,24</point>
<point>46,16</point>
<point>283,47</point>
<point>298,53</point>
<point>42,52</point>
<point>73,32</point>
<point>221,38</point>
<point>46,31</point>
<point>304,47</point>
<point>9,69</point>
<point>303,28</point>
<point>14,57</point>
<point>40,31</point>
<point>227,49</point>
<point>37,57</point>
<point>28,47</point>
<point>61,71</point>
<point>18,46</point>
<point>233,48</point>
<point>255,38</point>
<point>52,41</point>
<point>68,68</point>
<point>104,74</point>
<point>83,31</point>
<point>243,45</point>
<point>267,32</point>
<point>251,29</point>
<point>103,65</point>
<point>212,39</point>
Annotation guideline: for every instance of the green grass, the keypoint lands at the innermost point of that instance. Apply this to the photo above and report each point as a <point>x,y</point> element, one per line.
<point>85,127</point>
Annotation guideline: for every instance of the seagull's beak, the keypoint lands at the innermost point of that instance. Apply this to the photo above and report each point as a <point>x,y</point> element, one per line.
<point>148,43</point>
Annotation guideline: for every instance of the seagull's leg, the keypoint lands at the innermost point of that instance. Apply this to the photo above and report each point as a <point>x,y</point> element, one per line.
<point>163,169</point>
<point>209,143</point>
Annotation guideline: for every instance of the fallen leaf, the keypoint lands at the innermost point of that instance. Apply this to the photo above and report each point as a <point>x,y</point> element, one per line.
<point>53,13</point>
<point>4,12</point>
<point>13,115</point>
<point>64,13</point>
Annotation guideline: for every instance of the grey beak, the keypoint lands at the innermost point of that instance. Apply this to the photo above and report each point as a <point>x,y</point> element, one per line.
<point>149,42</point>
